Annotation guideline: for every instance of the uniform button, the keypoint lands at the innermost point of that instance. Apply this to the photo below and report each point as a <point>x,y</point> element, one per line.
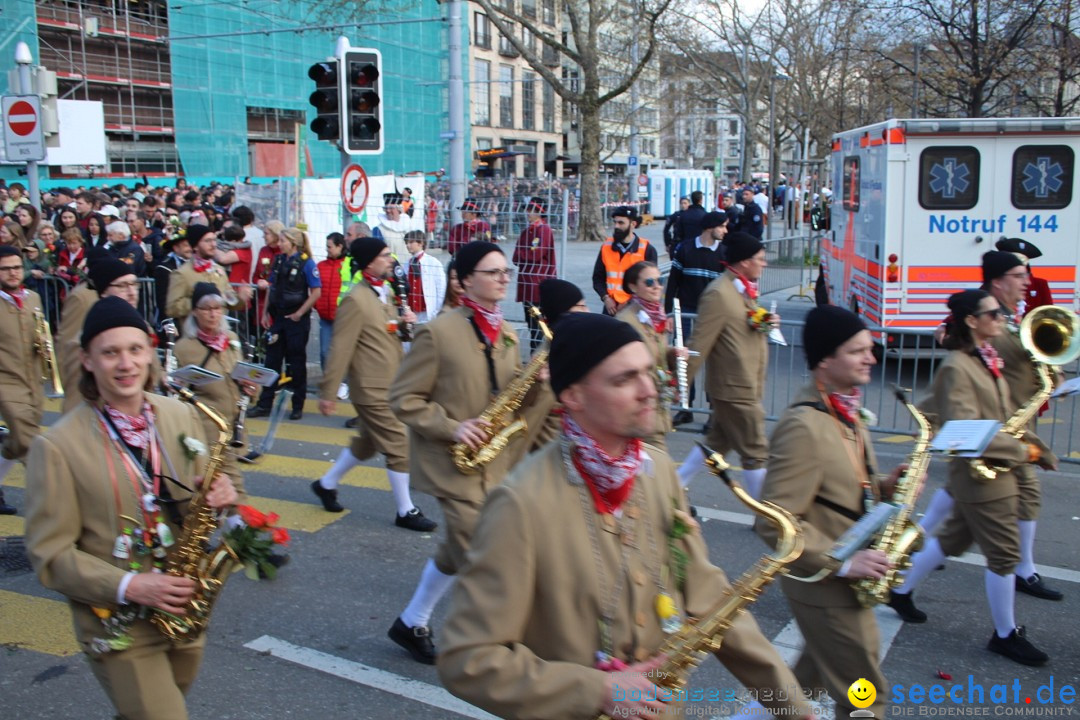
<point>627,538</point>
<point>609,523</point>
<point>639,577</point>
<point>641,654</point>
<point>640,618</point>
<point>632,513</point>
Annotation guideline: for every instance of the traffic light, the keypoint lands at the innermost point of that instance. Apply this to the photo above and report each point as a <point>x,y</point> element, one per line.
<point>326,99</point>
<point>363,102</point>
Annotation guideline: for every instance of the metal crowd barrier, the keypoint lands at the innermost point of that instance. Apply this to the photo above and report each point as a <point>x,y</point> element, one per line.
<point>911,368</point>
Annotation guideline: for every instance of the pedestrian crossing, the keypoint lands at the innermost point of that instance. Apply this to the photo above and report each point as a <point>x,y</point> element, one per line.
<point>42,624</point>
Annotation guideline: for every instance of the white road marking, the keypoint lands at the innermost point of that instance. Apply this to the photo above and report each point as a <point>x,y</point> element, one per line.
<point>364,675</point>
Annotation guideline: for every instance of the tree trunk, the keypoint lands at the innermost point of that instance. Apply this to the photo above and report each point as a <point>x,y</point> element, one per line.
<point>591,225</point>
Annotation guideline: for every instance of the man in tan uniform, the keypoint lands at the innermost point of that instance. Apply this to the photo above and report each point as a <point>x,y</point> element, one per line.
<point>821,469</point>
<point>584,525</point>
<point>21,395</point>
<point>367,346</point>
<point>114,468</point>
<point>201,268</point>
<point>735,352</point>
<point>457,364</point>
<point>108,277</point>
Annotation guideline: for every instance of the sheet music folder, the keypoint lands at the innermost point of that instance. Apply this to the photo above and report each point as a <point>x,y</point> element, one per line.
<point>965,438</point>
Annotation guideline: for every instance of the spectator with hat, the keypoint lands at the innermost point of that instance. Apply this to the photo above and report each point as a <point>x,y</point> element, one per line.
<point>393,225</point>
<point>201,268</point>
<point>427,278</point>
<point>534,256</point>
<point>1038,291</point>
<point>623,249</point>
<point>470,228</point>
<point>177,251</point>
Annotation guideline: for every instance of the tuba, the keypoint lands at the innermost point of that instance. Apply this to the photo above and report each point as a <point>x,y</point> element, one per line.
<point>198,554</point>
<point>685,649</point>
<point>901,536</point>
<point>1051,335</point>
<point>504,426</point>
<point>43,343</point>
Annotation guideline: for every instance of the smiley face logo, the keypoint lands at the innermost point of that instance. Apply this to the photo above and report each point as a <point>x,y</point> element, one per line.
<point>862,693</point>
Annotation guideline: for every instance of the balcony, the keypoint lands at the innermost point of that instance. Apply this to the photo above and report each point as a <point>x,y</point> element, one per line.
<point>506,49</point>
<point>482,41</point>
<point>137,26</point>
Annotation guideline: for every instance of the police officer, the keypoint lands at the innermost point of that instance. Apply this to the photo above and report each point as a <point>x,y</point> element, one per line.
<point>751,220</point>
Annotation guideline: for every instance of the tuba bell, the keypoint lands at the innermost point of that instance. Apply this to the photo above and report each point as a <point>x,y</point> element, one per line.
<point>1051,334</point>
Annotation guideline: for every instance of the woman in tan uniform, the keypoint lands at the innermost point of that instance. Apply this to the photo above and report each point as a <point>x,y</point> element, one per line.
<point>645,313</point>
<point>969,386</point>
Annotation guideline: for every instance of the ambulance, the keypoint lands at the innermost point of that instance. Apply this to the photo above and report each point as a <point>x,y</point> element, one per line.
<point>916,203</point>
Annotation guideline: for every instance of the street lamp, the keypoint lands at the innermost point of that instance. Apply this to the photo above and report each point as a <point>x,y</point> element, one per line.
<point>772,142</point>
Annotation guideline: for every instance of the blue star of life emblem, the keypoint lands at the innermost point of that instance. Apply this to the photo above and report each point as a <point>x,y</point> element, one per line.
<point>948,178</point>
<point>1043,177</point>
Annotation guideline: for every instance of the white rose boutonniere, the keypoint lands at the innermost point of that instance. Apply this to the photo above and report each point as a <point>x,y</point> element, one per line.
<point>868,417</point>
<point>193,447</point>
<point>234,344</point>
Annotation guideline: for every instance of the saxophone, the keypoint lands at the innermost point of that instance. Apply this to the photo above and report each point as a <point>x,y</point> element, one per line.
<point>685,649</point>
<point>901,537</point>
<point>43,342</point>
<point>197,554</point>
<point>504,426</point>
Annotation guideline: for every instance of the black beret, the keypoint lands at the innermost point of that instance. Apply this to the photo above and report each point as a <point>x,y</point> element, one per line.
<point>582,341</point>
<point>627,211</point>
<point>1016,245</point>
<point>366,249</point>
<point>470,205</point>
<point>557,297</point>
<point>108,313</point>
<point>713,219</point>
<point>195,233</point>
<point>202,290</point>
<point>827,328</point>
<point>996,263</point>
<point>106,271</point>
<point>739,246</point>
<point>471,253</point>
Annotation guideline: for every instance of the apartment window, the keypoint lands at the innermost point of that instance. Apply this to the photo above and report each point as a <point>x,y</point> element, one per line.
<point>528,40</point>
<point>481,31</point>
<point>549,108</point>
<point>481,92</point>
<point>733,127</point>
<point>528,8</point>
<point>710,127</point>
<point>505,47</point>
<point>548,12</point>
<point>528,101</point>
<point>506,96</point>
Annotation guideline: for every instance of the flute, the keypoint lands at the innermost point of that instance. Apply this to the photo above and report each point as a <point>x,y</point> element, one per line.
<point>680,362</point>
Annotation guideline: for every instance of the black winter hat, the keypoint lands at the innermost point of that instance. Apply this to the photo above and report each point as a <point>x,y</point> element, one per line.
<point>204,289</point>
<point>108,313</point>
<point>557,297</point>
<point>827,328</point>
<point>739,246</point>
<point>582,341</point>
<point>996,263</point>
<point>106,271</point>
<point>470,254</point>
<point>365,250</point>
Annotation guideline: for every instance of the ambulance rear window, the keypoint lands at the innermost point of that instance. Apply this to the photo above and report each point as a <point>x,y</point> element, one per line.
<point>850,190</point>
<point>949,178</point>
<point>1042,177</point>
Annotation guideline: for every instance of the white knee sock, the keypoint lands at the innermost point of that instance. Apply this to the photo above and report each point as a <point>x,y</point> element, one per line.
<point>922,564</point>
<point>5,467</point>
<point>939,508</point>
<point>691,465</point>
<point>754,480</point>
<point>345,462</point>
<point>399,483</point>
<point>433,585</point>
<point>1001,594</point>
<point>1026,568</point>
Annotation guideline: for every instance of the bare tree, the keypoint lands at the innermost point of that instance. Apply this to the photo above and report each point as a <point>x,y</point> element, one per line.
<point>610,42</point>
<point>1051,64</point>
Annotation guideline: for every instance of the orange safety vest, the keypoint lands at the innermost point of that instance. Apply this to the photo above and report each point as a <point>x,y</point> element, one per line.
<point>616,265</point>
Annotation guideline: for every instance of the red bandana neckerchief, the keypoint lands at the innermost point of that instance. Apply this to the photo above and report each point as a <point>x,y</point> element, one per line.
<point>610,480</point>
<point>215,341</point>
<point>16,298</point>
<point>750,286</point>
<point>847,406</point>
<point>375,282</point>
<point>489,321</point>
<point>655,311</point>
<point>991,359</point>
<point>200,265</point>
<point>133,430</point>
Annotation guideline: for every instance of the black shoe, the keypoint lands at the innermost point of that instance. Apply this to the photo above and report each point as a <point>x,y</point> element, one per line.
<point>6,509</point>
<point>278,561</point>
<point>328,497</point>
<point>1017,647</point>
<point>693,511</point>
<point>296,415</point>
<point>1034,586</point>
<point>258,411</point>
<point>415,520</point>
<point>682,418</point>
<point>904,606</point>
<point>352,422</point>
<point>417,640</point>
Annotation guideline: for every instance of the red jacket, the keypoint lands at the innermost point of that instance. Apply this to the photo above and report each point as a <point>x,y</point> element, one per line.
<point>534,256</point>
<point>330,276</point>
<point>1038,294</point>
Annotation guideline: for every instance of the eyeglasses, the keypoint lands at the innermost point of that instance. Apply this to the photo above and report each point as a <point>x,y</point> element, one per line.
<point>124,286</point>
<point>650,282</point>
<point>11,268</point>
<point>995,313</point>
<point>507,273</point>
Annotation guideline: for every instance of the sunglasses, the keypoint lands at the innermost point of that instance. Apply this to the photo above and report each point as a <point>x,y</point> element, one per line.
<point>995,313</point>
<point>651,282</point>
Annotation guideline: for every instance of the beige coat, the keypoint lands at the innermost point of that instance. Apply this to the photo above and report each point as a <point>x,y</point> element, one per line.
<point>182,283</point>
<point>735,355</point>
<point>658,348</point>
<point>73,315</point>
<point>444,380</point>
<point>362,349</point>
<point>522,632</point>
<point>71,517</point>
<point>20,363</point>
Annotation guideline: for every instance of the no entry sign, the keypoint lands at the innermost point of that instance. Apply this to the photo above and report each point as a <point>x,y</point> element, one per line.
<point>22,127</point>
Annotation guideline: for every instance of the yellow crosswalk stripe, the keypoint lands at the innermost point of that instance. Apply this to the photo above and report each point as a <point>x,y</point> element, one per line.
<point>897,439</point>
<point>281,466</point>
<point>12,525</point>
<point>301,517</point>
<point>35,623</point>
<point>339,437</point>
